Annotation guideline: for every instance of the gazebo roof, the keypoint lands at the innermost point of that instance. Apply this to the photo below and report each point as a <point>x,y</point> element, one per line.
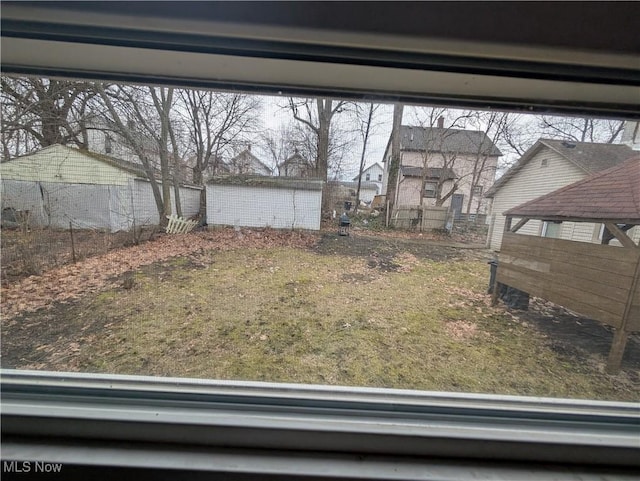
<point>612,195</point>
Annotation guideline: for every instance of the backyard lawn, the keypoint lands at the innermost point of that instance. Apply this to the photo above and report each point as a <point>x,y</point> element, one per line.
<point>356,311</point>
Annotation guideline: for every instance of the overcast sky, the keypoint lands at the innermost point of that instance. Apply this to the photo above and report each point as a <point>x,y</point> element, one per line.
<point>274,115</point>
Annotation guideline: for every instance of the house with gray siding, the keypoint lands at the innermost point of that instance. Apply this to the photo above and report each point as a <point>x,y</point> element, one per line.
<point>547,166</point>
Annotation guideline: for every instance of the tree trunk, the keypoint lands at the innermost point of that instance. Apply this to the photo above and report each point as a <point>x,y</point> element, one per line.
<point>362,157</point>
<point>322,158</point>
<point>394,163</point>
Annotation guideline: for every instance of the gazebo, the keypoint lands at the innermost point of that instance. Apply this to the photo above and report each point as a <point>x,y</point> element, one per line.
<point>600,281</point>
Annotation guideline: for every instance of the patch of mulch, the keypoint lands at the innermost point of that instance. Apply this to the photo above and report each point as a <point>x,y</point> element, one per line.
<point>70,282</point>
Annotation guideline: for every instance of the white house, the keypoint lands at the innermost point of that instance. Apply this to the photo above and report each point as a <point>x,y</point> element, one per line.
<point>59,185</point>
<point>373,174</point>
<point>444,158</point>
<point>545,167</point>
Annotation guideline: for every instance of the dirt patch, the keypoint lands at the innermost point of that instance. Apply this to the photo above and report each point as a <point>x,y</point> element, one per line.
<point>577,338</point>
<point>383,251</point>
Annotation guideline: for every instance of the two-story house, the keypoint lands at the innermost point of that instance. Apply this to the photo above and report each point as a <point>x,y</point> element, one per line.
<point>373,174</point>
<point>443,166</point>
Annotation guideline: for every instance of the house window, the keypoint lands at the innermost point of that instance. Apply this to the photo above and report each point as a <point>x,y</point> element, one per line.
<point>430,189</point>
<point>107,145</point>
<point>379,177</point>
<point>477,190</point>
<point>551,229</point>
<point>544,162</point>
<point>368,177</point>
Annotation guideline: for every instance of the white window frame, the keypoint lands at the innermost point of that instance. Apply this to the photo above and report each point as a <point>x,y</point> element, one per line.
<point>274,429</point>
<point>545,229</point>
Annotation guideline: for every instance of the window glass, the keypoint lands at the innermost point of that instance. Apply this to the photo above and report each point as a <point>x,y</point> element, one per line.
<point>169,231</point>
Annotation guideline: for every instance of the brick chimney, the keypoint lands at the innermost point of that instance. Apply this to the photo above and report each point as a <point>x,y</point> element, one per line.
<point>441,122</point>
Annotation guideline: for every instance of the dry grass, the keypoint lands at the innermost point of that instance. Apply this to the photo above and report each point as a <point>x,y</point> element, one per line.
<point>295,315</point>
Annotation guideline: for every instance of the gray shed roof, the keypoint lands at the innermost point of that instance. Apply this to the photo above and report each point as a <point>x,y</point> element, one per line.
<point>436,139</point>
<point>587,156</point>
<point>264,181</point>
<point>354,184</point>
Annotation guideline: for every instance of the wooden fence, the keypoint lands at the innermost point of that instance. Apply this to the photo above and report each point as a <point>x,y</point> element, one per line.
<point>598,281</point>
<point>409,217</point>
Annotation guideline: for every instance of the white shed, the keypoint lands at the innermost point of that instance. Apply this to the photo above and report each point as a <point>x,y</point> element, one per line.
<point>278,202</point>
<point>59,185</point>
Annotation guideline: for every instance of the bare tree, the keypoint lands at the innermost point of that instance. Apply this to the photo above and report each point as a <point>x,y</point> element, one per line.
<point>483,168</point>
<point>317,116</point>
<point>141,116</point>
<point>279,145</point>
<point>581,129</point>
<point>437,153</point>
<point>520,131</point>
<point>365,116</point>
<point>39,112</point>
<point>216,121</point>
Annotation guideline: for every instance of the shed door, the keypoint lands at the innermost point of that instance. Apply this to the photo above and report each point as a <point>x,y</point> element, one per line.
<point>456,205</point>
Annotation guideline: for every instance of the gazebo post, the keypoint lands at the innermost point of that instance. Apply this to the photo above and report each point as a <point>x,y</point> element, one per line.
<point>495,293</point>
<point>614,361</point>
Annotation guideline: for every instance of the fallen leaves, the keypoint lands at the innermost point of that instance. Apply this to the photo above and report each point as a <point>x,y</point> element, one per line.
<point>95,274</point>
<point>461,330</point>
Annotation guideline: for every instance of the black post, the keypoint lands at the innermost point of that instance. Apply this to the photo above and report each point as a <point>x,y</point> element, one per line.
<point>73,246</point>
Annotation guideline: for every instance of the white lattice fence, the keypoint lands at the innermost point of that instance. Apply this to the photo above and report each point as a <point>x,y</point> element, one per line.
<point>178,225</point>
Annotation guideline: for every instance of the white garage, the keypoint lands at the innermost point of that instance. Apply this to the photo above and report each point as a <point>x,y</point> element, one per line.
<point>277,202</point>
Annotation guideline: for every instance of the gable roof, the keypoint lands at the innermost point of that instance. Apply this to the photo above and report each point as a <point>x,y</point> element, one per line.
<point>369,168</point>
<point>587,156</point>
<point>610,195</point>
<point>436,139</point>
<point>125,165</point>
<point>296,158</point>
<point>248,155</point>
